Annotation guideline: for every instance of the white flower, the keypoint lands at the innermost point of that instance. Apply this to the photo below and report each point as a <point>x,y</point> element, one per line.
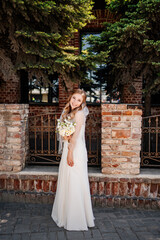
<point>65,128</point>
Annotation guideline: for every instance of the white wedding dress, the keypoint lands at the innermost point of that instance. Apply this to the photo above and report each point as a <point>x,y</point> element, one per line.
<point>72,208</point>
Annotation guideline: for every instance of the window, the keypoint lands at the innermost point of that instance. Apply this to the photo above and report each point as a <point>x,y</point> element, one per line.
<point>155,99</point>
<point>97,91</point>
<point>44,94</point>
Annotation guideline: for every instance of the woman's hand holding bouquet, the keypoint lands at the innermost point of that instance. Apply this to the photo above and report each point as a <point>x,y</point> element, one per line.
<point>66,129</point>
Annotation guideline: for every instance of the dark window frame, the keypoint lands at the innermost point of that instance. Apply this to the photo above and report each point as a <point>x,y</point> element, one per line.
<point>49,95</point>
<point>91,31</point>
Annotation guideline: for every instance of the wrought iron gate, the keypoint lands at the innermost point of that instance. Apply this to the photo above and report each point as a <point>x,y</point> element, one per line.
<point>44,145</point>
<point>150,154</point>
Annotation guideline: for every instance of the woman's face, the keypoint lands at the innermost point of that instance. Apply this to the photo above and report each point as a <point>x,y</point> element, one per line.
<point>76,100</point>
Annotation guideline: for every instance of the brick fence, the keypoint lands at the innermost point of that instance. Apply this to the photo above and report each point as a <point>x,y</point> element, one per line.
<point>105,190</point>
<point>13,136</point>
<point>121,139</point>
<point>117,185</point>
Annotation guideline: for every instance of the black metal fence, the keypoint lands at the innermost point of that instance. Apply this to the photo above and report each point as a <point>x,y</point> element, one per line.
<point>150,153</point>
<point>44,145</point>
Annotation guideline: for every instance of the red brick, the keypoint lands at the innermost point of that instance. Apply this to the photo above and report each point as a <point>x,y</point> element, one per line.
<point>121,133</point>
<point>2,183</point>
<point>137,112</point>
<point>106,113</point>
<point>101,188</point>
<point>115,188</point>
<point>136,136</point>
<point>131,189</point>
<point>15,118</point>
<point>113,118</point>
<point>24,185</point>
<point>45,186</point>
<point>127,112</point>
<point>39,185</point>
<point>116,112</point>
<point>108,188</point>
<point>137,189</point>
<point>16,184</point>
<point>3,133</point>
<point>31,185</point>
<point>53,186</point>
<point>123,188</point>
<point>145,190</point>
<point>153,190</point>
<point>9,184</point>
<point>93,187</point>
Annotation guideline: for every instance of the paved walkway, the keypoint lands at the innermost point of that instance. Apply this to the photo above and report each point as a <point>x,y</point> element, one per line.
<point>26,221</point>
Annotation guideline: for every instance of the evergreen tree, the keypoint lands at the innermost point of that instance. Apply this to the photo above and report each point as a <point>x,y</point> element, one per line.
<point>34,36</point>
<point>131,45</point>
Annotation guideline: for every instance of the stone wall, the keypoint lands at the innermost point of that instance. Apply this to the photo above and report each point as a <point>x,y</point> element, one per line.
<point>121,139</point>
<point>13,136</point>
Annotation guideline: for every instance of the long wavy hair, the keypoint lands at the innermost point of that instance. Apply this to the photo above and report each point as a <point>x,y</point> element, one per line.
<point>68,112</point>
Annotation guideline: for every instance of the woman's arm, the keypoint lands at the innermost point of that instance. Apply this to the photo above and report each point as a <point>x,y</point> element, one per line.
<point>79,119</point>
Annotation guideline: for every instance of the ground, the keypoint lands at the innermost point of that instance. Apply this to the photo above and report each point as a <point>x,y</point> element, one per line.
<point>28,221</point>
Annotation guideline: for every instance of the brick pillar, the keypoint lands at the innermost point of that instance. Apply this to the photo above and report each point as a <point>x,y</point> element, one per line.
<point>132,97</point>
<point>121,139</point>
<point>13,136</point>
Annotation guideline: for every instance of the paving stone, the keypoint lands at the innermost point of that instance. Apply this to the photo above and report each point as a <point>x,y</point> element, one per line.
<point>139,229</point>
<point>88,234</point>
<point>120,223</point>
<point>21,228</point>
<point>74,235</point>
<point>16,237</point>
<point>147,236</point>
<point>35,227</point>
<point>6,237</point>
<point>126,234</point>
<point>96,234</point>
<point>61,236</point>
<point>111,236</point>
<point>26,236</point>
<point>21,221</point>
<point>52,235</point>
<point>39,236</point>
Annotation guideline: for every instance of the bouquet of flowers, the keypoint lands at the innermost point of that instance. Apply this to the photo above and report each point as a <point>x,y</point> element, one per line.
<point>65,128</point>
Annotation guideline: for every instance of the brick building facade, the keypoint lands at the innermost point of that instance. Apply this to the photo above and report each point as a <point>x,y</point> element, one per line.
<point>119,183</point>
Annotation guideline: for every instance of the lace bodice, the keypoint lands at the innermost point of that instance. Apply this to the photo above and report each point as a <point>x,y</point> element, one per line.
<point>80,119</point>
<point>80,127</point>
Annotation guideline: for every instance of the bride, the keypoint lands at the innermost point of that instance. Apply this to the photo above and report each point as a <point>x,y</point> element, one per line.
<point>72,207</point>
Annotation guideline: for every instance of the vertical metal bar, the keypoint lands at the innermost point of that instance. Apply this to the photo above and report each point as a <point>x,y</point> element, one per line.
<point>156,136</point>
<point>41,134</point>
<point>90,141</point>
<point>55,135</point>
<point>149,135</point>
<point>142,142</point>
<point>97,147</point>
<point>35,136</point>
<point>49,126</point>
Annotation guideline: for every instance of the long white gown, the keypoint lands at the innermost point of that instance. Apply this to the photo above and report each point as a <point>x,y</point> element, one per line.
<point>72,208</point>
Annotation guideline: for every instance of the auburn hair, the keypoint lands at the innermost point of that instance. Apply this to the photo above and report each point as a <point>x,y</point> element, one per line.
<point>67,111</point>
